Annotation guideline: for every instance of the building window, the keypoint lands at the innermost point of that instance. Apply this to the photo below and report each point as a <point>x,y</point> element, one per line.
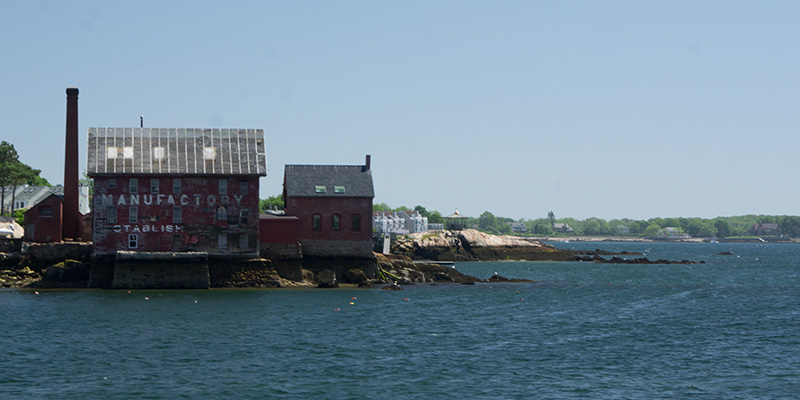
<point>243,215</point>
<point>133,185</point>
<point>222,214</point>
<point>232,217</point>
<point>222,241</point>
<point>46,211</point>
<point>112,214</point>
<point>127,152</point>
<point>133,241</point>
<point>209,153</point>
<point>111,152</point>
<point>133,214</point>
<point>335,218</point>
<point>316,222</point>
<point>112,183</point>
<point>244,185</point>
<point>223,186</point>
<point>154,185</point>
<point>320,189</point>
<point>177,186</point>
<point>338,189</point>
<point>177,215</point>
<point>356,222</point>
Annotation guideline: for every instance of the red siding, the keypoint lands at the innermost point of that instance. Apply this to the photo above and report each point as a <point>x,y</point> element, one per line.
<point>155,226</point>
<point>278,230</point>
<point>43,222</point>
<point>305,207</point>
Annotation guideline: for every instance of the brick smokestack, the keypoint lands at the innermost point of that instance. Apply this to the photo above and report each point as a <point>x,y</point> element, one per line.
<point>70,222</point>
<point>368,163</point>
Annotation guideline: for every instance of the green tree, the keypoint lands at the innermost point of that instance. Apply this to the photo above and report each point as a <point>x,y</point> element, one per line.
<point>271,203</point>
<point>487,221</point>
<point>435,217</point>
<point>723,228</point>
<point>791,226</point>
<point>652,230</point>
<point>8,167</point>
<point>381,207</point>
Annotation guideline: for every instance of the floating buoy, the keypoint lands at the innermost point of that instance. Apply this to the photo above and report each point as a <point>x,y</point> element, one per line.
<point>352,304</point>
<point>35,292</point>
<point>147,298</point>
<point>405,299</point>
<point>129,291</point>
<point>336,309</point>
<point>353,298</point>
<point>521,298</point>
<point>195,302</point>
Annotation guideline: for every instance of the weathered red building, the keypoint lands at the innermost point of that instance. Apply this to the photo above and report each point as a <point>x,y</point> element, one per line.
<point>43,221</point>
<point>333,204</point>
<point>176,190</point>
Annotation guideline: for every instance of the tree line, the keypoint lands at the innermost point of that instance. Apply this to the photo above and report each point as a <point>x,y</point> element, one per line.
<point>14,173</point>
<point>735,226</point>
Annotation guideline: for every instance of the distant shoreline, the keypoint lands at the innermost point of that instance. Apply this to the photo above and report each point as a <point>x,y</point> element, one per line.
<point>675,240</point>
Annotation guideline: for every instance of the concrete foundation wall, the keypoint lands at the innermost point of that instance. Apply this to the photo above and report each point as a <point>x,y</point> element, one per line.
<point>336,248</point>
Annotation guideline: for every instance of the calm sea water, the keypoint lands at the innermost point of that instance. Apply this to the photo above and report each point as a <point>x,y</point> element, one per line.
<point>726,329</point>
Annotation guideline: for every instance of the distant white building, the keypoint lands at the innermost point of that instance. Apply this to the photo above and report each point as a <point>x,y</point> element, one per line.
<point>388,222</point>
<point>27,196</point>
<point>414,221</point>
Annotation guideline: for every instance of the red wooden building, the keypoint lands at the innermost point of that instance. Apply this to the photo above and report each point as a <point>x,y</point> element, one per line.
<point>176,190</point>
<point>333,204</point>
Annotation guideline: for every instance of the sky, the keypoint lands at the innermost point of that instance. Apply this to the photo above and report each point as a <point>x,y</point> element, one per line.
<point>611,109</point>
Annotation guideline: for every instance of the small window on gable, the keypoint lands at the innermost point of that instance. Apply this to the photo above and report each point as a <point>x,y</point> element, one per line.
<point>320,189</point>
<point>46,211</point>
<point>209,153</point>
<point>127,152</point>
<point>112,183</point>
<point>111,152</point>
<point>158,153</point>
<point>338,189</point>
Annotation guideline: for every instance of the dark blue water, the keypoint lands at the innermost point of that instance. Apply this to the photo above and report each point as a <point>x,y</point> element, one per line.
<point>726,329</point>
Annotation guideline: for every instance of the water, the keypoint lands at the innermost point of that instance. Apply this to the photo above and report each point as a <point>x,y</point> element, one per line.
<point>728,328</point>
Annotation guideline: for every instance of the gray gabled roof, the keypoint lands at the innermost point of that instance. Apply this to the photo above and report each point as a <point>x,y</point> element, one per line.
<point>304,180</point>
<point>161,151</point>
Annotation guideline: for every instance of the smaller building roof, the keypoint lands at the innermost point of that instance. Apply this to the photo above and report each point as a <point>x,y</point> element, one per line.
<point>455,215</point>
<point>328,181</point>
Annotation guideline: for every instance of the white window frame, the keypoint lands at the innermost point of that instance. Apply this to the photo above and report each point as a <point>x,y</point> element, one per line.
<point>177,185</point>
<point>133,241</point>
<point>177,215</point>
<point>133,214</point>
<point>133,185</point>
<point>223,186</point>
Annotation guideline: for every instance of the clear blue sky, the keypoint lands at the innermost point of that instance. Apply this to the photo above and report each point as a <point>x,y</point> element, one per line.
<point>611,109</point>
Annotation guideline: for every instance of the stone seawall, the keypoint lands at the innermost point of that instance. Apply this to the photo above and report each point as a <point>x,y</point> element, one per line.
<point>142,270</point>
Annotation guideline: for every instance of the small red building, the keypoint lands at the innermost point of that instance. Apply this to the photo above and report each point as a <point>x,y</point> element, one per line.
<point>43,221</point>
<point>333,204</point>
<point>176,190</point>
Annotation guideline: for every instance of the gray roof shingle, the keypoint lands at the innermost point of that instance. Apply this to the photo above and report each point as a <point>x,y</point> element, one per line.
<point>302,180</point>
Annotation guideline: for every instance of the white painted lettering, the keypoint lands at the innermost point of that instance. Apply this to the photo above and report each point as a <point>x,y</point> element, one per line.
<point>160,198</point>
<point>211,200</point>
<point>134,200</point>
<point>117,228</point>
<point>121,201</point>
<point>136,228</point>
<point>169,228</point>
<point>107,200</point>
<point>184,200</point>
<point>127,228</point>
<point>238,198</point>
<point>170,200</point>
<point>147,198</point>
<point>197,199</point>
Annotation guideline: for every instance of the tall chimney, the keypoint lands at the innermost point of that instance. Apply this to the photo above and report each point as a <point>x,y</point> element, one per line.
<point>367,166</point>
<point>70,223</point>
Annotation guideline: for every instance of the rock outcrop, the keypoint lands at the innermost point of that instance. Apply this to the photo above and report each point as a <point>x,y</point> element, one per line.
<point>472,245</point>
